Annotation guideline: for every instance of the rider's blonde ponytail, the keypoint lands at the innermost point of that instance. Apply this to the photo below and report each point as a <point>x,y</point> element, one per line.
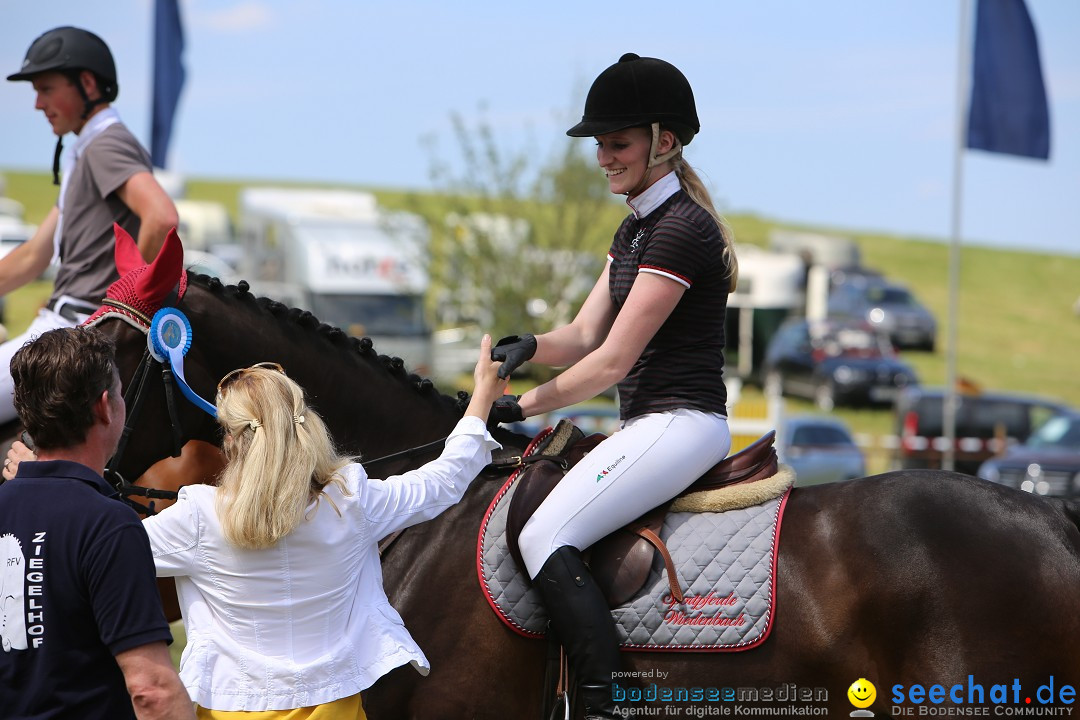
<point>692,185</point>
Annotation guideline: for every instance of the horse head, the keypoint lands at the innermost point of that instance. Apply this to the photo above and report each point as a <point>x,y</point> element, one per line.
<point>125,315</point>
<point>371,404</point>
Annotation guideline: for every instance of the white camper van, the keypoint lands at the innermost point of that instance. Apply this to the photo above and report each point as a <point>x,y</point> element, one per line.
<point>337,254</point>
<point>770,289</point>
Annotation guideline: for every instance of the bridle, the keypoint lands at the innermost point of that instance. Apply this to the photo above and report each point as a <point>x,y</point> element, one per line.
<point>133,401</point>
<point>136,394</point>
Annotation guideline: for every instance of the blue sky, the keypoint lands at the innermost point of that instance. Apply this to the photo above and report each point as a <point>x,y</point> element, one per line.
<point>838,112</point>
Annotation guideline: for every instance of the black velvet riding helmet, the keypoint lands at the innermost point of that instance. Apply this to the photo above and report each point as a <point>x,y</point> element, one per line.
<point>639,91</point>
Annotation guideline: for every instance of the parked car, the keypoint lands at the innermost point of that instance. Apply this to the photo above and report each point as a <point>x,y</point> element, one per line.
<point>1047,464</point>
<point>887,306</point>
<point>986,423</point>
<point>834,363</point>
<point>819,449</point>
<point>854,274</point>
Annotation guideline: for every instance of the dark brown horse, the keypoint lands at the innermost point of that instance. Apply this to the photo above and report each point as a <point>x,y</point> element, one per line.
<point>915,578</point>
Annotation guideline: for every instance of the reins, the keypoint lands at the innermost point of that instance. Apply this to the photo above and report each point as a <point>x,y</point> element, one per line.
<point>508,463</point>
<point>136,394</point>
<point>512,461</point>
<point>405,454</point>
<point>133,400</point>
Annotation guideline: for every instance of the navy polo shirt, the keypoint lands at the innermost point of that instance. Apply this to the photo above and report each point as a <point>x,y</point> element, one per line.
<point>77,586</point>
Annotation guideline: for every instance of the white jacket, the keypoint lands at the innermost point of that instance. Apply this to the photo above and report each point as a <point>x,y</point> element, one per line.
<point>306,621</point>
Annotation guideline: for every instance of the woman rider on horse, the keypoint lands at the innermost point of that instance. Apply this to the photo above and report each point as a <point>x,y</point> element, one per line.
<point>654,324</point>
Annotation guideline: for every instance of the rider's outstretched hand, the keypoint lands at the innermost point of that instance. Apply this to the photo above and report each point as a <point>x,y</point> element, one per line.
<point>489,385</point>
<point>513,351</point>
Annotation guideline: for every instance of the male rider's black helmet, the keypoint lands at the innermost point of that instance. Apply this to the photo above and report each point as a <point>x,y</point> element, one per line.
<point>639,91</point>
<point>71,49</point>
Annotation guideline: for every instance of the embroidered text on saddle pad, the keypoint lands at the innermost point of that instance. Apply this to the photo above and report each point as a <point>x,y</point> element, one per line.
<point>726,563</point>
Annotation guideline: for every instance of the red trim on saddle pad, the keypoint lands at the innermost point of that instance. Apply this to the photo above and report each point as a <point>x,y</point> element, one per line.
<point>540,437</point>
<point>510,622</point>
<point>770,621</point>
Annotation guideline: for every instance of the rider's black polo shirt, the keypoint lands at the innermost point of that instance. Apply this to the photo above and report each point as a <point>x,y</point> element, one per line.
<point>76,588</point>
<point>683,363</point>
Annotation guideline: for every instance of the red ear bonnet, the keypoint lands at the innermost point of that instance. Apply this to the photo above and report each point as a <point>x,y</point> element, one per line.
<point>143,287</point>
<point>153,284</point>
<point>128,257</point>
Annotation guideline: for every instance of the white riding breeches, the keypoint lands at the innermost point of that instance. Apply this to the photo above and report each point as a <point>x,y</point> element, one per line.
<point>649,461</point>
<point>44,321</point>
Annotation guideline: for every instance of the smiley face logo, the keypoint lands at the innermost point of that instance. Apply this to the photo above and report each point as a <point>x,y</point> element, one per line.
<point>862,693</point>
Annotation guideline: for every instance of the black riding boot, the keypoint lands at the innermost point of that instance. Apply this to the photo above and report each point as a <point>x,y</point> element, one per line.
<point>582,622</point>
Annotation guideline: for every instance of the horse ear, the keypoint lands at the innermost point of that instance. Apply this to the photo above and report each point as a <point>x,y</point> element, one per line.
<point>163,274</point>
<point>128,257</point>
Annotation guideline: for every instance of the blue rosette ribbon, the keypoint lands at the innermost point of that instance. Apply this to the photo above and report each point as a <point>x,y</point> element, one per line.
<point>169,340</point>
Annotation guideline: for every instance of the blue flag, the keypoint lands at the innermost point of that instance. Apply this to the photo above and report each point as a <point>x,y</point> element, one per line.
<point>168,76</point>
<point>1009,112</point>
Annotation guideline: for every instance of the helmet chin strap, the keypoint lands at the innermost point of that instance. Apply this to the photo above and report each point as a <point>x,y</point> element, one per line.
<point>654,160</point>
<point>56,160</point>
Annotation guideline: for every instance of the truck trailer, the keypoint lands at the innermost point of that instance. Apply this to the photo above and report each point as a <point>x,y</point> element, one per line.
<point>339,255</point>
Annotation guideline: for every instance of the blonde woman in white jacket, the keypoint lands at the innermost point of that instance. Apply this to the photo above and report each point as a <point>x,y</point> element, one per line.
<point>277,569</point>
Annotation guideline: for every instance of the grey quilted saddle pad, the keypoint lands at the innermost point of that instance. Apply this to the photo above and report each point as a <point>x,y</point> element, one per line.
<point>726,563</point>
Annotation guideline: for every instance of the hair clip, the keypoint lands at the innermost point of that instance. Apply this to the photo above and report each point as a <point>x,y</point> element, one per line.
<point>254,424</point>
<point>298,419</point>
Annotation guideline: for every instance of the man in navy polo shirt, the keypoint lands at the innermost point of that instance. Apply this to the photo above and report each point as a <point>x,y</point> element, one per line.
<point>82,633</point>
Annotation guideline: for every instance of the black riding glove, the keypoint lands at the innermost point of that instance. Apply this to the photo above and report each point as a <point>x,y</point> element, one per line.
<point>514,351</point>
<point>506,410</point>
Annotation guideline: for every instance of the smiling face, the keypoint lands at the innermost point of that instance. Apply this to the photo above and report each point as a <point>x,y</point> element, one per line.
<point>862,693</point>
<point>623,155</point>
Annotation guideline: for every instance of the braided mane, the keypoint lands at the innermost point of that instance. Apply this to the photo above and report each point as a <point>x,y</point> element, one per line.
<point>361,348</point>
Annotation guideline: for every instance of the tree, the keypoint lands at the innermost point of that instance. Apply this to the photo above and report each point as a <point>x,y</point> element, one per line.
<point>513,249</point>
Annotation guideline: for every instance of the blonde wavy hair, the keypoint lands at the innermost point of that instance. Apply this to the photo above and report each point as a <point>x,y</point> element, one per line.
<point>695,188</point>
<point>280,458</point>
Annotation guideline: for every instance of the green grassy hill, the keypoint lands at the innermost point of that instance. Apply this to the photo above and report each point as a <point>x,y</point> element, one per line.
<point>1016,331</point>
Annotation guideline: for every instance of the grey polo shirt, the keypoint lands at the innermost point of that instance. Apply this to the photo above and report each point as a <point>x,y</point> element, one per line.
<point>91,205</point>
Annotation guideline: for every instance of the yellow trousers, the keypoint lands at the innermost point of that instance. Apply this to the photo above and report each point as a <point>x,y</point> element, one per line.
<point>349,708</point>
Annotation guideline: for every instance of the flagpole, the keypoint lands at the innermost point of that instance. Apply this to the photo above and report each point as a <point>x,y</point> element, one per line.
<point>962,90</point>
